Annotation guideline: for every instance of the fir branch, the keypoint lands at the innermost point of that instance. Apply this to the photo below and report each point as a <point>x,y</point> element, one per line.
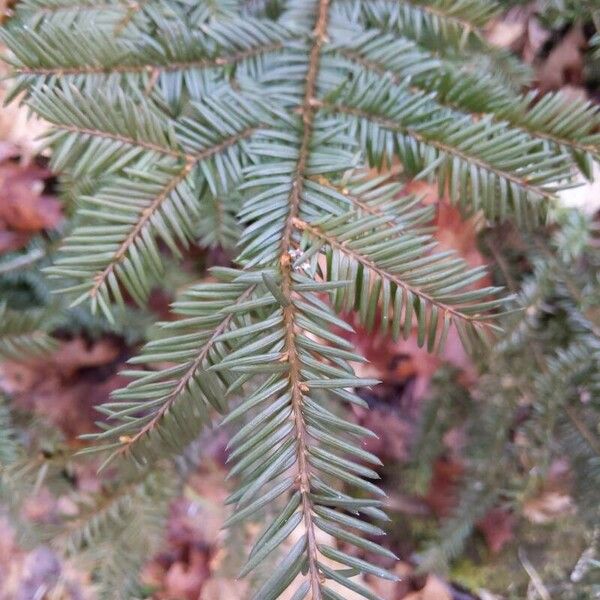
<point>24,334</point>
<point>392,125</point>
<point>205,120</point>
<point>366,262</point>
<point>22,261</point>
<point>122,139</point>
<point>470,16</point>
<point>105,14</point>
<point>184,381</point>
<point>9,445</point>
<point>379,197</point>
<point>553,118</point>
<point>147,214</point>
<point>592,441</point>
<point>145,217</point>
<point>213,49</point>
<point>135,6</point>
<point>426,287</point>
<point>289,312</point>
<point>454,23</point>
<point>204,63</point>
<point>50,7</point>
<point>115,531</point>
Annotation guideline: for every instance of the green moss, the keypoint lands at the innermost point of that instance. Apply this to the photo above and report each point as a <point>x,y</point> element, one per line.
<point>552,549</point>
<point>466,572</point>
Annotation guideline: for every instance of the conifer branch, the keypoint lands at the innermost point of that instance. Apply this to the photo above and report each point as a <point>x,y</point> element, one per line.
<point>52,8</point>
<point>22,261</point>
<point>591,440</point>
<point>184,381</point>
<point>245,126</point>
<point>24,334</point>
<point>134,7</point>
<point>447,15</point>
<point>391,125</point>
<point>153,68</point>
<point>396,214</point>
<point>123,139</point>
<point>145,217</point>
<point>520,112</point>
<point>147,213</point>
<point>289,318</point>
<point>360,258</point>
<point>104,506</point>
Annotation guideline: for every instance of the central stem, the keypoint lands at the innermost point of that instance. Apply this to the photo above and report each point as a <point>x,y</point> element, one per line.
<point>297,387</point>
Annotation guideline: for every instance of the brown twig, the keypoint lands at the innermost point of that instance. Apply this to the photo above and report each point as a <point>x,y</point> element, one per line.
<point>298,388</point>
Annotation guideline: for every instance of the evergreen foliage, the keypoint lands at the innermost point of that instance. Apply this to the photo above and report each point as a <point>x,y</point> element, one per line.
<point>254,126</point>
<point>544,366</point>
<point>22,333</point>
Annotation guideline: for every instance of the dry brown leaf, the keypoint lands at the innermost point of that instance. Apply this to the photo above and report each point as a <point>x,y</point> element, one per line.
<point>564,64</point>
<point>389,590</point>
<point>443,492</point>
<point>219,588</point>
<point>6,7</point>
<point>435,589</point>
<point>77,353</point>
<point>17,125</point>
<point>66,386</point>
<point>548,506</point>
<point>535,38</point>
<point>498,528</point>
<point>12,240</point>
<point>506,33</point>
<point>453,232</point>
<point>24,209</point>
<point>394,434</point>
<point>520,31</point>
<point>554,499</point>
<point>185,580</point>
<point>23,206</point>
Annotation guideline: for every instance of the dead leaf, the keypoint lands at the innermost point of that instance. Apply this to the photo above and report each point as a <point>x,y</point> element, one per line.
<point>77,353</point>
<point>506,33</point>
<point>535,38</point>
<point>24,209</point>
<point>185,580</point>
<point>6,7</point>
<point>12,240</point>
<point>393,590</point>
<point>23,206</point>
<point>402,364</point>
<point>218,588</point>
<point>443,492</point>
<point>564,64</point>
<point>24,574</point>
<point>520,31</point>
<point>553,499</point>
<point>17,125</point>
<point>66,386</point>
<point>435,589</point>
<point>394,434</point>
<point>497,528</point>
<point>453,232</point>
<point>548,506</point>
